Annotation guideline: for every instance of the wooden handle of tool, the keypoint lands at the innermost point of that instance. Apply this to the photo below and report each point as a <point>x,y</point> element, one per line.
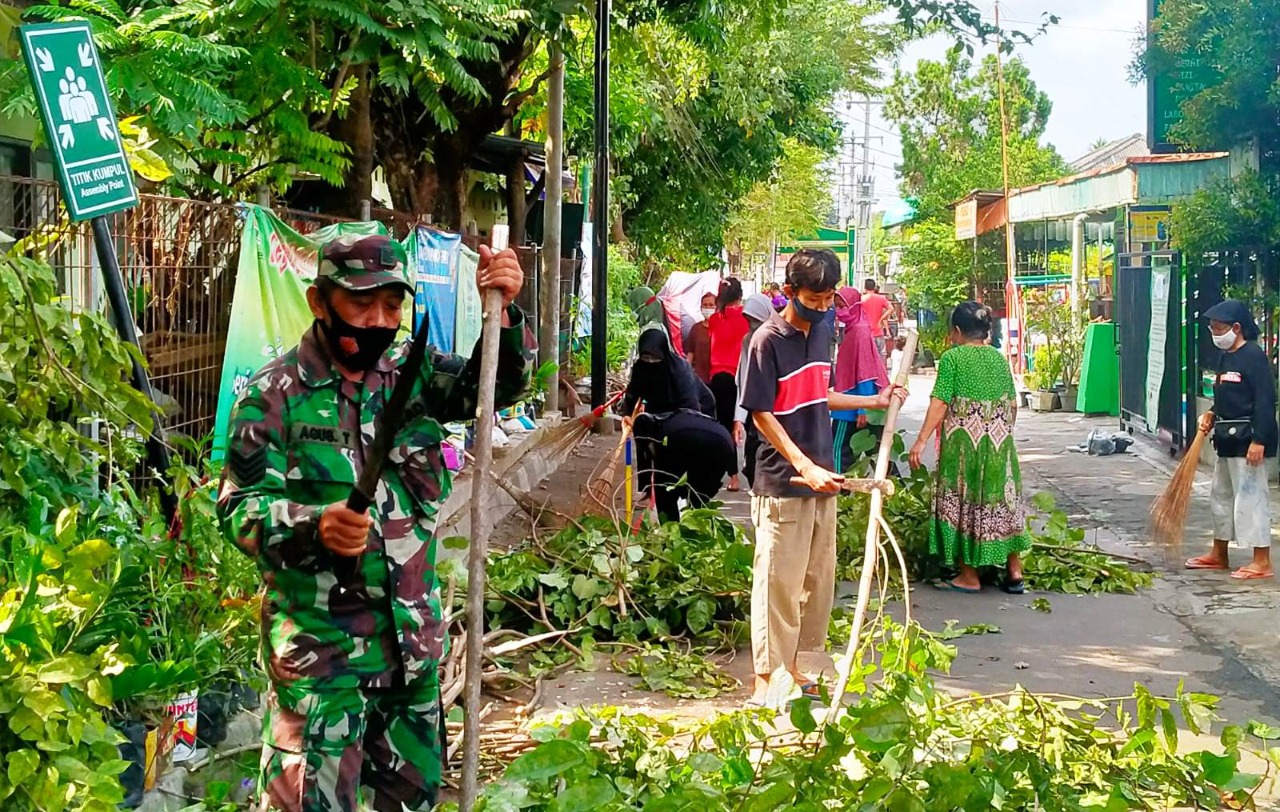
<point>858,485</point>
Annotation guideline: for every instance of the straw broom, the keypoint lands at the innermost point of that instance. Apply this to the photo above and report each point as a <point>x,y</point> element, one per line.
<point>1169,511</point>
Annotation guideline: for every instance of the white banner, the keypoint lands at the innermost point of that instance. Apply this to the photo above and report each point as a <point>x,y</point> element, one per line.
<point>1161,278</point>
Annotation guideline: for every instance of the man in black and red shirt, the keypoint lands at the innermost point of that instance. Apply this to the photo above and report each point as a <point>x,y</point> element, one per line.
<point>787,390</point>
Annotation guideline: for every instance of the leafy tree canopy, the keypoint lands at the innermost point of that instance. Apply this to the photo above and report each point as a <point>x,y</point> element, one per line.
<point>948,113</point>
<point>1239,102</point>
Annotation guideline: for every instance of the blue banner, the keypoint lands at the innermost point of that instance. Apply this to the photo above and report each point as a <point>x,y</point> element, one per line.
<point>435,297</point>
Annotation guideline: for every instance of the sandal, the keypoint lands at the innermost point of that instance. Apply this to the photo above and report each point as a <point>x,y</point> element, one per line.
<point>1013,586</point>
<point>951,586</point>
<point>1245,574</point>
<point>1204,562</point>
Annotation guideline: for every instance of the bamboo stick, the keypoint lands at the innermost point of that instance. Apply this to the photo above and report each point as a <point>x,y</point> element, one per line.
<point>870,553</point>
<point>478,550</point>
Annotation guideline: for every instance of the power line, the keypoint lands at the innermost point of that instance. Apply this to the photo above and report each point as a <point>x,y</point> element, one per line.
<point>1135,30</point>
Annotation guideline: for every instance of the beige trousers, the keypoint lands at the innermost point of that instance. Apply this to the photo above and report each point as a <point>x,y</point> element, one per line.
<point>794,580</point>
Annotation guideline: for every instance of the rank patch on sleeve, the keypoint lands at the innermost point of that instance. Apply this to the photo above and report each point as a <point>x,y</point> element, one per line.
<point>247,468</point>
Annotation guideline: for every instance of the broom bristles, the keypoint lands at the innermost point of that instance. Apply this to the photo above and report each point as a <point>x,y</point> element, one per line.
<point>1169,511</point>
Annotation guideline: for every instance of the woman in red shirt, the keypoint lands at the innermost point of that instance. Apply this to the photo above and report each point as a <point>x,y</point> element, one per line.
<point>728,327</point>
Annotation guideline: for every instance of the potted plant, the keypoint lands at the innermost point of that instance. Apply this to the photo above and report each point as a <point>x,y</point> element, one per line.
<point>1050,316</point>
<point>1046,369</point>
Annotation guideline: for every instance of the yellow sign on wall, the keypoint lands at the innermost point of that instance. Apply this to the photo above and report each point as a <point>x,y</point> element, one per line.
<point>1149,225</point>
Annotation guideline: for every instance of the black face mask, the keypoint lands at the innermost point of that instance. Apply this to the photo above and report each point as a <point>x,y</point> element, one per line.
<point>356,348</point>
<point>809,314</point>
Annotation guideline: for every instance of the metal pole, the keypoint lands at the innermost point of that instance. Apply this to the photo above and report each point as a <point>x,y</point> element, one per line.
<point>366,211</point>
<point>864,192</point>
<point>122,315</point>
<point>600,229</point>
<point>549,326</point>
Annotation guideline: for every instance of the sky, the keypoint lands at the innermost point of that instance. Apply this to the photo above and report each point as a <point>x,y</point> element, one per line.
<point>1082,63</point>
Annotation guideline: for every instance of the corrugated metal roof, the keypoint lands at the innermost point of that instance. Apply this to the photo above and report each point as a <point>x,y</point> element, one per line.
<point>1113,154</point>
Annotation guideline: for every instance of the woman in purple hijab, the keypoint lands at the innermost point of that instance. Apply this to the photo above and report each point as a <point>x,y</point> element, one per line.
<point>859,371</point>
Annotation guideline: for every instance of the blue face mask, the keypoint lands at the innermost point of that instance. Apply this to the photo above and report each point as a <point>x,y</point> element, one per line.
<point>809,314</point>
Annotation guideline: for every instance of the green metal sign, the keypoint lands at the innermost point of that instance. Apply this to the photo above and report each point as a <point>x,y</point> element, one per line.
<point>78,118</point>
<point>1167,91</point>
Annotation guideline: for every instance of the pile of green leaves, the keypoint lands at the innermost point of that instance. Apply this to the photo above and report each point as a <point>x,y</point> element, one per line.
<point>1059,560</point>
<point>690,579</point>
<point>682,675</point>
<point>903,745</point>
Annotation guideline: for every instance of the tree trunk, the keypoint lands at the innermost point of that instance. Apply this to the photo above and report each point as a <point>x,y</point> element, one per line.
<point>515,194</point>
<point>356,130</point>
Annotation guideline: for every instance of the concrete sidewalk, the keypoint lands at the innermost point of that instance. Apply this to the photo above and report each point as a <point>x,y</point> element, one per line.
<point>1111,496</point>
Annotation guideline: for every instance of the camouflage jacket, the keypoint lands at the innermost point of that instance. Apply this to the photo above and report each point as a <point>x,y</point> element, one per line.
<point>300,433</point>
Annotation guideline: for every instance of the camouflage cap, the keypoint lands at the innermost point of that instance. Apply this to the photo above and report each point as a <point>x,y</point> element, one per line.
<point>364,263</point>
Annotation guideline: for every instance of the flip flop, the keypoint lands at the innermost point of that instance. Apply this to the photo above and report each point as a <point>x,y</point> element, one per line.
<point>1010,587</point>
<point>1243,574</point>
<point>810,691</point>
<point>1201,562</point>
<point>950,586</point>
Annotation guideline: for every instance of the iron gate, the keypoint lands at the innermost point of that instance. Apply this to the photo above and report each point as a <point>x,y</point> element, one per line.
<point>1145,281</point>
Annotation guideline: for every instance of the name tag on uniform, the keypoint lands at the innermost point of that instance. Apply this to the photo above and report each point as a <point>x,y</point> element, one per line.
<point>1230,377</point>
<point>328,435</point>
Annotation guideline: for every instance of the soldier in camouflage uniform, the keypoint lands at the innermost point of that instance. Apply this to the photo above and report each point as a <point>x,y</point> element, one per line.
<point>353,662</point>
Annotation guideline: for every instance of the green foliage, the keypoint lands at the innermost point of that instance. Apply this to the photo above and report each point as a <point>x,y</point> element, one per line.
<point>244,92</point>
<point>1242,212</point>
<point>690,580</point>
<point>795,199</point>
<point>937,269</point>
<point>55,680</point>
<point>103,612</point>
<point>678,674</point>
<point>1064,332</point>
<point>1235,103</point>
<point>623,327</point>
<point>1059,560</point>
<point>904,745</point>
<point>948,114</point>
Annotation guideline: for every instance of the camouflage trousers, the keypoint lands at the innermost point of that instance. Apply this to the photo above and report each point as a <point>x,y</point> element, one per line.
<point>320,750</point>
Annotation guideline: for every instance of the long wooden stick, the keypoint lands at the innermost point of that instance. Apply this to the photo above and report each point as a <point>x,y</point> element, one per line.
<point>871,553</point>
<point>478,551</point>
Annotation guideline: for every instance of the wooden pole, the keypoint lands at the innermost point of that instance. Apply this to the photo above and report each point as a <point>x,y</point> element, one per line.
<point>478,550</point>
<point>871,552</point>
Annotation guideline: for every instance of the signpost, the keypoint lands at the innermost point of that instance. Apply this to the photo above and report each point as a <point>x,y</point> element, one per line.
<point>93,170</point>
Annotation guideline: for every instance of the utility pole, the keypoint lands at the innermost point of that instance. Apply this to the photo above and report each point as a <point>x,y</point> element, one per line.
<point>549,328</point>
<point>866,187</point>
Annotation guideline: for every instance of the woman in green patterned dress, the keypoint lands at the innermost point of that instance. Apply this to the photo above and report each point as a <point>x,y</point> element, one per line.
<point>978,516</point>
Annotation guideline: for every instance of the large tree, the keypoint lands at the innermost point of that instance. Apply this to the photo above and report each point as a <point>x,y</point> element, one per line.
<point>245,92</point>
<point>1237,103</point>
<point>795,199</point>
<point>949,116</point>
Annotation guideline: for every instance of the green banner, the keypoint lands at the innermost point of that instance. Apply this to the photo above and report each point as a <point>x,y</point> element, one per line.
<point>269,311</point>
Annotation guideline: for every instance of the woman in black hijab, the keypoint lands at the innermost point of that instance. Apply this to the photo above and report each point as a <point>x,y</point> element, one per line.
<point>664,381</point>
<point>677,438</point>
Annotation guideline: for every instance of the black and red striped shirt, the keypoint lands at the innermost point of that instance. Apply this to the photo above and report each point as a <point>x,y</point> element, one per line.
<point>789,375</point>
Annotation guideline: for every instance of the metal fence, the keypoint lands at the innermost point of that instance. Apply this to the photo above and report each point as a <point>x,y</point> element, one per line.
<point>178,260</point>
